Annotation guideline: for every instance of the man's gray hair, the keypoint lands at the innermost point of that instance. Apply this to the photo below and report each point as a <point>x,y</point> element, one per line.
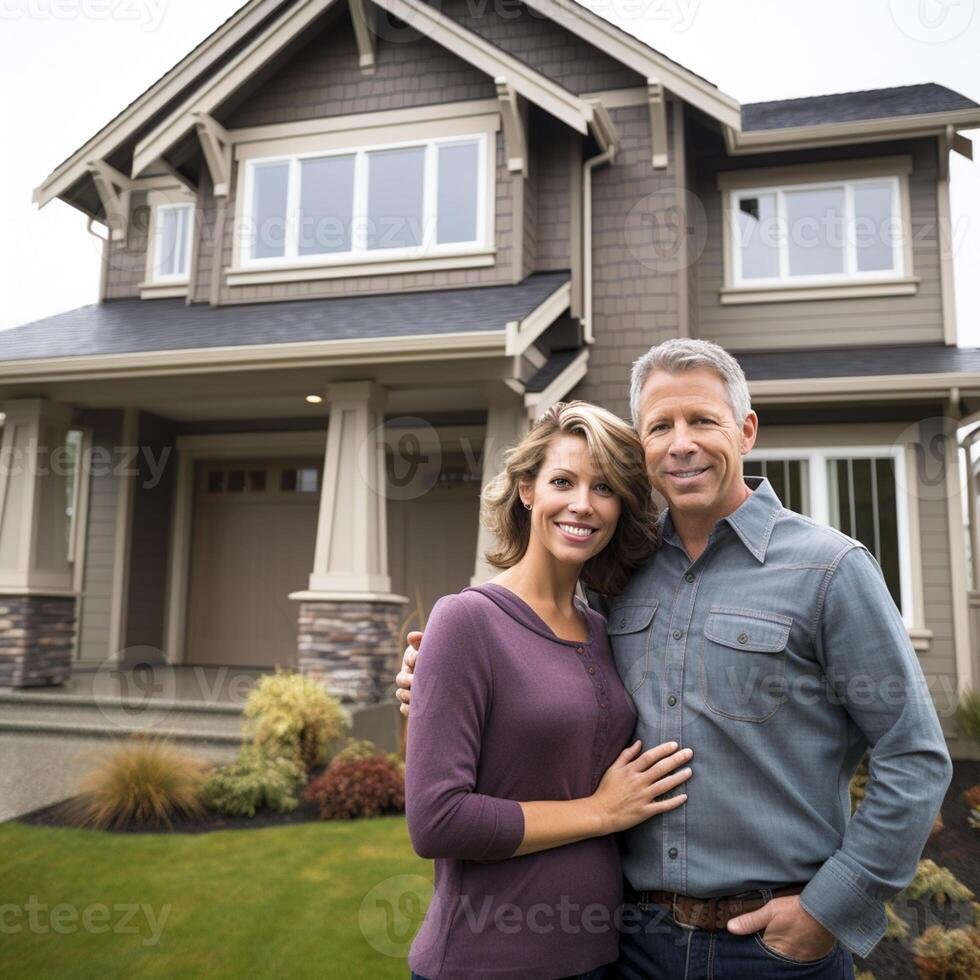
<point>681,354</point>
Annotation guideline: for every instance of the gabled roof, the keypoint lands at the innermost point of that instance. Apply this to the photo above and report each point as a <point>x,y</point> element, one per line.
<point>879,103</point>
<point>143,110</point>
<point>160,327</point>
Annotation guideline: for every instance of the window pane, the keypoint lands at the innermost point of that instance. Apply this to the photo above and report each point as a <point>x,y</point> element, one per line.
<point>458,192</point>
<point>875,230</point>
<point>395,182</point>
<point>758,241</point>
<point>271,184</point>
<point>789,480</point>
<point>326,205</point>
<point>815,221</point>
<point>863,505</point>
<point>173,241</point>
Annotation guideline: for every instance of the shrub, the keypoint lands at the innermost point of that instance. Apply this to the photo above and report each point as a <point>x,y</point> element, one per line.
<point>968,714</point>
<point>295,717</point>
<point>255,779</point>
<point>952,955</point>
<point>971,797</point>
<point>362,748</point>
<point>366,787</point>
<point>859,783</point>
<point>932,881</point>
<point>864,975</point>
<point>142,781</point>
<point>897,927</point>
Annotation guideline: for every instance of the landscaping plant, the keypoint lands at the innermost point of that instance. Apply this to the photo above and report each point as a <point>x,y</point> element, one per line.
<point>294,716</point>
<point>255,779</point>
<point>952,955</point>
<point>362,787</point>
<point>141,781</point>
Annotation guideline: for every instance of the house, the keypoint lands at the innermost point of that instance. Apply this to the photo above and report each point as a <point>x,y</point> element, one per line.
<point>351,248</point>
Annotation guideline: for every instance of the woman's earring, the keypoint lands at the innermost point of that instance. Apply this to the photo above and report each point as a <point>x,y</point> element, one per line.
<point>527,506</point>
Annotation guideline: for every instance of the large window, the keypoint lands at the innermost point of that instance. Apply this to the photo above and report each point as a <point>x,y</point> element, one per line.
<point>858,491</point>
<point>843,231</point>
<point>401,200</point>
<point>172,242</point>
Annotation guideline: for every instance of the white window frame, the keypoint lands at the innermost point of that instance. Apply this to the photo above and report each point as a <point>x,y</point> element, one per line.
<point>186,226</point>
<point>818,487</point>
<point>359,253</point>
<point>851,274</point>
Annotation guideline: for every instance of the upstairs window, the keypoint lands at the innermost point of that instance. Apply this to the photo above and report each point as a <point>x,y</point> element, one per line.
<point>842,231</point>
<point>405,200</point>
<point>172,242</point>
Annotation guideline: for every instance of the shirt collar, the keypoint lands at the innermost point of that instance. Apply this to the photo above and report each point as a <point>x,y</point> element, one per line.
<point>752,521</point>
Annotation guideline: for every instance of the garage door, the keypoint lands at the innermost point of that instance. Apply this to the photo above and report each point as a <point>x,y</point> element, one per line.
<point>253,535</point>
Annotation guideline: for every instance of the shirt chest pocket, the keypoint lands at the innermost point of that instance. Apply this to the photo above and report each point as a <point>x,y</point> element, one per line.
<point>743,663</point>
<point>630,629</point>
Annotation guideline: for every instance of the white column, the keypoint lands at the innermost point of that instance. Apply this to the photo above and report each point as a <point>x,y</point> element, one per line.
<point>33,484</point>
<point>507,423</point>
<point>351,554</point>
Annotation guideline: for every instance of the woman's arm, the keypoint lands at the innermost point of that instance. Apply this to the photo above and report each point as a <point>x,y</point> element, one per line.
<point>447,818</point>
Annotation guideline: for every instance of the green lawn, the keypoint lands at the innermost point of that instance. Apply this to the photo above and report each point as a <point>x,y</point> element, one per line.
<point>311,900</point>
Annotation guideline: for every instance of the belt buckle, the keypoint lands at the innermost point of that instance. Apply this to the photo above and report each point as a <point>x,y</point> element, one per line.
<point>673,913</point>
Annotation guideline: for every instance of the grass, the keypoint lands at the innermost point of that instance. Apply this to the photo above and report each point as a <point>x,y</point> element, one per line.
<point>333,899</point>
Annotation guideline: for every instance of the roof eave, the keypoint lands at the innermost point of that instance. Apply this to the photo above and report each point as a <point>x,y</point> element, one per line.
<point>856,131</point>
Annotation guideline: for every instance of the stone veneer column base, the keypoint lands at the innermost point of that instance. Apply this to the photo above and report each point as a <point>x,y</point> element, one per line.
<point>353,647</point>
<point>37,633</point>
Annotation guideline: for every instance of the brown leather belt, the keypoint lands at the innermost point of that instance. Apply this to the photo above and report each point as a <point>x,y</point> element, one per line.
<point>705,913</point>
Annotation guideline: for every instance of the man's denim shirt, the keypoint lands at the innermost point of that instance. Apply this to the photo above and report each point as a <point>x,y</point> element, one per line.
<point>779,657</point>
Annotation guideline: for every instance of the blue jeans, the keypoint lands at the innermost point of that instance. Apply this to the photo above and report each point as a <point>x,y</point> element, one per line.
<point>654,947</point>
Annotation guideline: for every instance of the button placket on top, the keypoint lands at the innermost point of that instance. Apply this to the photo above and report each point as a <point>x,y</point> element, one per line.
<point>672,711</point>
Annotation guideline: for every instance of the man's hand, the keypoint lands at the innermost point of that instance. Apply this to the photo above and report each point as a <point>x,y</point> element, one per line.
<point>787,928</point>
<point>404,677</point>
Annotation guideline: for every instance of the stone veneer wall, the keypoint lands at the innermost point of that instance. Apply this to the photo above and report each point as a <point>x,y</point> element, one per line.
<point>352,647</point>
<point>36,638</point>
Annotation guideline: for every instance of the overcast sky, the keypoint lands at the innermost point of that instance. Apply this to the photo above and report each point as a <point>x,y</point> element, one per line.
<point>68,66</point>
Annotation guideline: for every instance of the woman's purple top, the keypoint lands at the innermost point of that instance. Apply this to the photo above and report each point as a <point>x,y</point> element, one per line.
<point>503,710</point>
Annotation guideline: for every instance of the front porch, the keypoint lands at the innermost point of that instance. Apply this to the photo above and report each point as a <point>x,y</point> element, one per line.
<point>303,512</point>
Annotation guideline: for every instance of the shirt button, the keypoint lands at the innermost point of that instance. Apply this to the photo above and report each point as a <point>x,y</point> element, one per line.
<point>673,852</point>
<point>678,634</point>
<point>689,577</point>
<point>591,670</point>
<point>622,623</point>
<point>743,637</point>
<point>672,700</point>
<point>579,650</point>
<point>602,704</point>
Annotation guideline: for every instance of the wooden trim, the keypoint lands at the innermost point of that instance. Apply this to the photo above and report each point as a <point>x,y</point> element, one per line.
<point>154,99</point>
<point>901,387</point>
<point>514,128</point>
<point>915,538</point>
<point>641,58</point>
<point>657,104</point>
<point>83,487</point>
<point>363,17</point>
<point>522,333</point>
<point>246,276</point>
<point>619,98</point>
<point>808,173</point>
<point>737,295</point>
<point>538,402</point>
<point>859,131</point>
<point>944,242</point>
<point>216,146</point>
<point>125,490</point>
<point>383,120</point>
<point>150,290</point>
<point>197,360</point>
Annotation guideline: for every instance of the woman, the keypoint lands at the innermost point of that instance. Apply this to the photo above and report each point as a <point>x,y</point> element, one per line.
<point>516,698</point>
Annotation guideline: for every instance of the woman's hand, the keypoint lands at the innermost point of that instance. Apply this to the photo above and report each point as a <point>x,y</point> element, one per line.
<point>627,794</point>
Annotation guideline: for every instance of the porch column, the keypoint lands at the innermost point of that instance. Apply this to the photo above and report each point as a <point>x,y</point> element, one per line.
<point>350,623</point>
<point>507,423</point>
<point>37,601</point>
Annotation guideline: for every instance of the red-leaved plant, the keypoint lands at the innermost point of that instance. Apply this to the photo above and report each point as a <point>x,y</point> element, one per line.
<point>366,787</point>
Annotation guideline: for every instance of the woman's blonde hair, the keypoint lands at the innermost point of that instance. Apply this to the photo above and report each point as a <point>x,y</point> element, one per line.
<point>618,455</point>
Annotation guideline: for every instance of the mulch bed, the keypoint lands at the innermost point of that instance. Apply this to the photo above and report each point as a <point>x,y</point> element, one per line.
<point>956,847</point>
<point>57,815</point>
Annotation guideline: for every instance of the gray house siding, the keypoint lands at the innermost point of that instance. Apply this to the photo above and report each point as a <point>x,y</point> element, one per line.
<point>95,612</point>
<point>634,302</point>
<point>127,258</point>
<point>820,323</point>
<point>552,149</point>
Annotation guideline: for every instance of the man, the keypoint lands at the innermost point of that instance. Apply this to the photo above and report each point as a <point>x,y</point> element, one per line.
<point>770,645</point>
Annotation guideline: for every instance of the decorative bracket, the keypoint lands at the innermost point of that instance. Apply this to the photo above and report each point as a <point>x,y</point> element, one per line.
<point>114,190</point>
<point>658,123</point>
<point>216,144</point>
<point>362,15</point>
<point>510,111</point>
